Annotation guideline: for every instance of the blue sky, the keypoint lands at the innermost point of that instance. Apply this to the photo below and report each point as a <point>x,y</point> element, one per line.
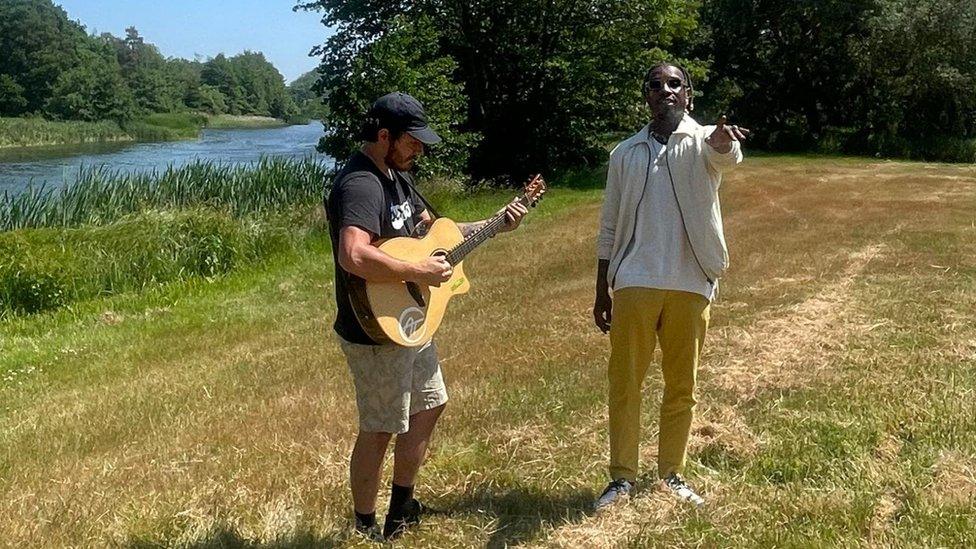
<point>189,28</point>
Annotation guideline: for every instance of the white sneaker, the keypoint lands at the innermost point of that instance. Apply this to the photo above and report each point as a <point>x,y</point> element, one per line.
<point>618,490</point>
<point>682,491</point>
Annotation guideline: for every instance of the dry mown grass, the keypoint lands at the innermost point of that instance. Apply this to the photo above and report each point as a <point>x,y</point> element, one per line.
<point>836,394</point>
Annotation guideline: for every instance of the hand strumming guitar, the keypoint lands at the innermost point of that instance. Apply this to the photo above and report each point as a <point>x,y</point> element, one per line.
<point>432,271</point>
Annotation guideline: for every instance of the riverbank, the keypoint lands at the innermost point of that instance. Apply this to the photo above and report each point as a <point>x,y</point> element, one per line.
<point>38,132</point>
<point>35,132</point>
<point>241,122</point>
<point>113,232</point>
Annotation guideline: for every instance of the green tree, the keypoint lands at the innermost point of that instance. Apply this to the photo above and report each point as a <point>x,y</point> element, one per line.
<point>208,98</point>
<point>184,76</point>
<point>93,89</point>
<point>250,84</point>
<point>37,44</point>
<point>263,85</point>
<point>12,98</point>
<point>543,80</point>
<point>147,73</point>
<point>308,99</point>
<point>401,60</point>
<point>219,73</point>
<point>917,68</point>
<point>783,66</point>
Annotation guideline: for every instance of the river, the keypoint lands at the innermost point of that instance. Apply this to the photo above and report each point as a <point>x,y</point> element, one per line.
<point>55,166</point>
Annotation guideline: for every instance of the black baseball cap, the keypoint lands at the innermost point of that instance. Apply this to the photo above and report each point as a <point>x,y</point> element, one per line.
<point>401,112</point>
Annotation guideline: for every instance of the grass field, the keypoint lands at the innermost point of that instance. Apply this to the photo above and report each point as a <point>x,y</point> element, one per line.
<point>836,396</point>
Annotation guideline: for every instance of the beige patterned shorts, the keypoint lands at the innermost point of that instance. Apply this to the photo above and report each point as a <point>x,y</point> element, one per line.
<point>393,383</point>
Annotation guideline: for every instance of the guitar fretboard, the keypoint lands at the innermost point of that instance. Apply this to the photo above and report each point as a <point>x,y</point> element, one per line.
<point>475,239</point>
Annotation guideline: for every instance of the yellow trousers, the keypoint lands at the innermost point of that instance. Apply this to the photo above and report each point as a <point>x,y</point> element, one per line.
<point>641,318</point>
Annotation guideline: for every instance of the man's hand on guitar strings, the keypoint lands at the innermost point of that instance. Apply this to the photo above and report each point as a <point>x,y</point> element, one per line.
<point>432,271</point>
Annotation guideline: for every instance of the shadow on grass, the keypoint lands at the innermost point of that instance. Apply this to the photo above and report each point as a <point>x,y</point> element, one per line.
<point>227,537</point>
<point>521,512</point>
<point>518,514</point>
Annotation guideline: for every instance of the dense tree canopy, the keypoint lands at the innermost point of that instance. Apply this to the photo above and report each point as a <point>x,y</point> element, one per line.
<point>543,82</point>
<point>524,85</point>
<point>50,66</point>
<point>37,43</point>
<point>863,76</point>
<point>249,84</point>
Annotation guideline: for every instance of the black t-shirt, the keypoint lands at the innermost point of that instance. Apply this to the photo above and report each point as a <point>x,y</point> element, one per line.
<point>364,197</point>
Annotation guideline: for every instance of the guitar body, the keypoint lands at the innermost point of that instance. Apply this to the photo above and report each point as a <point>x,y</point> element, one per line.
<point>393,312</point>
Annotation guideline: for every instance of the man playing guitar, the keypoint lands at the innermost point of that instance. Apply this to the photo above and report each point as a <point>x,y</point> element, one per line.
<point>399,390</point>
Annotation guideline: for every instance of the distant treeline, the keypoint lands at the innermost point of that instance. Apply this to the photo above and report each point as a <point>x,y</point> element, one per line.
<point>51,67</point>
<point>518,87</point>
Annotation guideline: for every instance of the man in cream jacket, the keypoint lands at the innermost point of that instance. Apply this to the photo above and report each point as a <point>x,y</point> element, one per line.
<point>661,251</point>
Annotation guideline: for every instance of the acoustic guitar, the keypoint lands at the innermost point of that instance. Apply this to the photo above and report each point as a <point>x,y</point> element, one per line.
<point>408,313</point>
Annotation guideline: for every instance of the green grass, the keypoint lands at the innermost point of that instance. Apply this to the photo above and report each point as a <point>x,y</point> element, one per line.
<point>27,132</point>
<point>43,269</point>
<point>835,392</point>
<point>167,126</point>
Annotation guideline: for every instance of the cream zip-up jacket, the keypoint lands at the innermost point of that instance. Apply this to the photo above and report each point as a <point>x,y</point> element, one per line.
<point>696,169</point>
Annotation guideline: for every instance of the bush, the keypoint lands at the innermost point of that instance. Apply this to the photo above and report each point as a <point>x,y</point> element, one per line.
<point>931,148</point>
<point>184,121</point>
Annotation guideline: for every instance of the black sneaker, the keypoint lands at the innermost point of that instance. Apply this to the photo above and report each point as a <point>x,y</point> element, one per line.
<point>618,490</point>
<point>398,520</point>
<point>682,491</point>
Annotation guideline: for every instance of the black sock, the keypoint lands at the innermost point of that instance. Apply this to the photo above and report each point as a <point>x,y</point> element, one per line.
<point>365,520</point>
<point>399,496</point>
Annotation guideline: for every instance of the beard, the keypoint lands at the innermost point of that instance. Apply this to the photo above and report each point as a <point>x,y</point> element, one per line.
<point>665,116</point>
<point>398,164</point>
<point>669,113</point>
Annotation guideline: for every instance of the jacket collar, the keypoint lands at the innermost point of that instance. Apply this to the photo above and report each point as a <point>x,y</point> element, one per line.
<point>687,126</point>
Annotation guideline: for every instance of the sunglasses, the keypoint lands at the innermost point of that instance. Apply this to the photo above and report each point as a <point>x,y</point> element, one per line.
<point>673,83</point>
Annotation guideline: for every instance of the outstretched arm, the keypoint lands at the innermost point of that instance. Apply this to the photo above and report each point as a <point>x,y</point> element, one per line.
<point>723,151</point>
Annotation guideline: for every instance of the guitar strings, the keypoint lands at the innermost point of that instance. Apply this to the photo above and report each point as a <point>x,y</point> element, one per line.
<point>455,255</point>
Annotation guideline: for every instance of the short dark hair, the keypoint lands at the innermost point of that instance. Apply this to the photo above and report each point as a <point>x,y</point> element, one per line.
<point>646,86</point>
<point>371,129</point>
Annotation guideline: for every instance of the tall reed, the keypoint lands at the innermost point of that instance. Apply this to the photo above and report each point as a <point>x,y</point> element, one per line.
<point>101,194</point>
<point>25,132</point>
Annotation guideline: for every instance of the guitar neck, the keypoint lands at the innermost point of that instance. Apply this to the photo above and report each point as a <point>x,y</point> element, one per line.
<point>477,238</point>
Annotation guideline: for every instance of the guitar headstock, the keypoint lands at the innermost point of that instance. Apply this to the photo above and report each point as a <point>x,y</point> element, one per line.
<point>534,189</point>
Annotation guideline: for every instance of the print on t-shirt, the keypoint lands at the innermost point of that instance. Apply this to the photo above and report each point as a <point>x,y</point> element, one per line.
<point>400,213</point>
